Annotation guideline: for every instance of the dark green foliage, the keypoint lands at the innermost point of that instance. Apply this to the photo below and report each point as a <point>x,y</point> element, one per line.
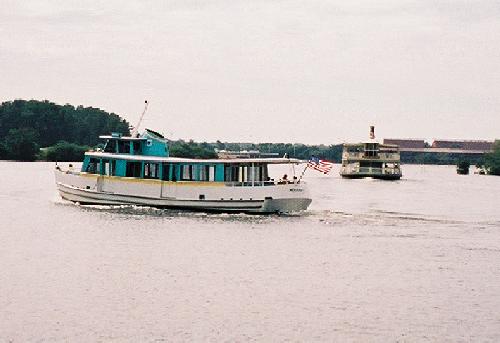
<point>438,158</point>
<point>64,151</point>
<point>300,151</point>
<point>492,160</point>
<point>48,123</point>
<point>20,144</point>
<point>463,167</point>
<point>191,149</point>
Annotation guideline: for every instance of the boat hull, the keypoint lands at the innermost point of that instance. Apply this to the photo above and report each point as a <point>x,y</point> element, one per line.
<point>374,176</point>
<point>102,190</point>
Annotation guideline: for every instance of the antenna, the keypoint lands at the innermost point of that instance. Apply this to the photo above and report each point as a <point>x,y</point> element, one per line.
<point>136,129</point>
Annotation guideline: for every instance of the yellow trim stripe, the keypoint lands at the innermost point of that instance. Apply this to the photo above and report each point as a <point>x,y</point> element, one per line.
<point>156,182</point>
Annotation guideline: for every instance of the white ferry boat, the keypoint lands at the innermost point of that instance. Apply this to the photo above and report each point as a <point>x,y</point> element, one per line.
<point>371,159</point>
<point>138,170</point>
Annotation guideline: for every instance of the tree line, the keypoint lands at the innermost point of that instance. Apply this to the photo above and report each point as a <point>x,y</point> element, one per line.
<point>27,126</point>
<point>43,130</point>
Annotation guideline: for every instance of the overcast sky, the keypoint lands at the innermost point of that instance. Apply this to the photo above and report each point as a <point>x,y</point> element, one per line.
<point>264,70</point>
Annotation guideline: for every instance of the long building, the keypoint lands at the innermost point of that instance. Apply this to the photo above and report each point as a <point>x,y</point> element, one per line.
<point>477,145</point>
<point>406,143</point>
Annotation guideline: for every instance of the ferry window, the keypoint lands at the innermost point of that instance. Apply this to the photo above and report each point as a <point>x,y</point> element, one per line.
<point>175,171</point>
<point>243,173</point>
<point>186,172</point>
<point>133,169</point>
<point>94,166</point>
<point>151,170</point>
<point>137,148</point>
<point>106,167</point>
<point>110,146</point>
<point>257,173</point>
<point>370,150</point>
<point>124,147</point>
<point>264,172</point>
<point>204,171</point>
<point>166,172</point>
<point>211,173</point>
<point>231,172</point>
<point>109,167</point>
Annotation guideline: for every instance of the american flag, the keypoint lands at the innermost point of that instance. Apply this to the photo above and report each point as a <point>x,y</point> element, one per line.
<point>323,166</point>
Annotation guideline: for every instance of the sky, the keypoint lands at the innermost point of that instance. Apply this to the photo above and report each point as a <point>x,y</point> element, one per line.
<point>311,71</point>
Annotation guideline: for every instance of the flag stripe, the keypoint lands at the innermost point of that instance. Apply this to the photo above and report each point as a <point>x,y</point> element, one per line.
<point>320,165</point>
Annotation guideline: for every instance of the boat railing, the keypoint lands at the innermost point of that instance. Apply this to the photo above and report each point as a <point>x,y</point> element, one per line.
<point>389,155</point>
<point>258,183</point>
<point>380,155</point>
<point>70,170</point>
<point>372,170</point>
<point>347,155</point>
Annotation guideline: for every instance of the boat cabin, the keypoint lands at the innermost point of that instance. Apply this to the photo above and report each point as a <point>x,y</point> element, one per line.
<point>371,159</point>
<point>147,157</point>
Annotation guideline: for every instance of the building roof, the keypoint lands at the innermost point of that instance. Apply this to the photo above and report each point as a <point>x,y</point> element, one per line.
<point>463,144</point>
<point>406,143</point>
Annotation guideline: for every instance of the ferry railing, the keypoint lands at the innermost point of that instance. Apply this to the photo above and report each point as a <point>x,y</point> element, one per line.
<point>371,170</point>
<point>361,155</point>
<point>258,183</point>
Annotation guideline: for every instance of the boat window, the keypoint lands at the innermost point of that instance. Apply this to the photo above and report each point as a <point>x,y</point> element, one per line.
<point>242,174</point>
<point>186,172</point>
<point>257,173</point>
<point>123,147</point>
<point>231,172</point>
<point>175,172</point>
<point>137,148</point>
<point>151,170</point>
<point>133,169</point>
<point>94,166</point>
<point>166,172</point>
<point>204,171</point>
<point>110,146</point>
<point>108,167</point>
<point>211,173</point>
<point>371,149</point>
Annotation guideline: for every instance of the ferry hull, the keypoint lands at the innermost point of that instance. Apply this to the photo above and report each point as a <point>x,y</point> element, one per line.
<point>374,176</point>
<point>89,189</point>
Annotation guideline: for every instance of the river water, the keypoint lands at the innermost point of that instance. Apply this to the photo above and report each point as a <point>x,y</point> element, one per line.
<point>411,260</point>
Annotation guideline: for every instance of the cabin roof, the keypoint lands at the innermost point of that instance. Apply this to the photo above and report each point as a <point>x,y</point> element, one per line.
<point>128,138</point>
<point>128,157</point>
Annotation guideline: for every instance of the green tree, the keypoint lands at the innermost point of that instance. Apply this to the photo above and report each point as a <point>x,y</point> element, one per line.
<point>64,151</point>
<point>492,160</point>
<point>20,144</point>
<point>52,123</point>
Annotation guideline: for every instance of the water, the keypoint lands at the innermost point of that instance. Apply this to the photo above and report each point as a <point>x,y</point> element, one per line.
<point>413,260</point>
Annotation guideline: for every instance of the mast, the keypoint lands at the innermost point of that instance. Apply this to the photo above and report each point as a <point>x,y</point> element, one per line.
<point>136,128</point>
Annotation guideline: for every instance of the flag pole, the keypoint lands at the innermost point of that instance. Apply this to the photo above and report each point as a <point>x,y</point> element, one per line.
<point>303,172</point>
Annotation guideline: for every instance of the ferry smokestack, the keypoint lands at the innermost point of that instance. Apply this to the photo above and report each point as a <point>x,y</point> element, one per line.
<point>372,132</point>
